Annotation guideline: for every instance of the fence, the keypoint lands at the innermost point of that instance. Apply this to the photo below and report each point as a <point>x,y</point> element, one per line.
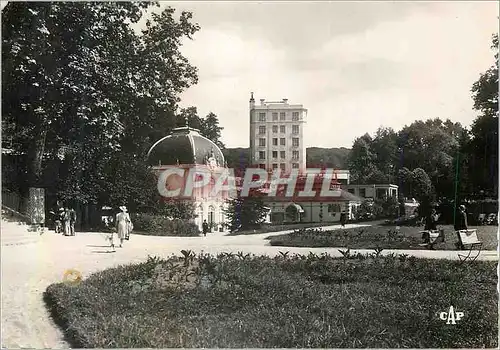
<point>14,201</point>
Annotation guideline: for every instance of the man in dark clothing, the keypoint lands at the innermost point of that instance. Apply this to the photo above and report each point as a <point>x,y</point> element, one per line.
<point>205,227</point>
<point>461,219</point>
<point>460,224</point>
<point>343,219</point>
<point>431,221</point>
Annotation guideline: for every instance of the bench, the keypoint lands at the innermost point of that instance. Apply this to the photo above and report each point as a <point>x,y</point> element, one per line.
<point>431,237</point>
<point>468,238</point>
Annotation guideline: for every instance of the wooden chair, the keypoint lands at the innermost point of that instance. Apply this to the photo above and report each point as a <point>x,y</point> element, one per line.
<point>468,239</point>
<point>431,237</point>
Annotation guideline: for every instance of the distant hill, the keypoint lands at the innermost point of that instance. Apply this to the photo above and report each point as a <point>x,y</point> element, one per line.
<point>329,157</point>
<point>316,157</point>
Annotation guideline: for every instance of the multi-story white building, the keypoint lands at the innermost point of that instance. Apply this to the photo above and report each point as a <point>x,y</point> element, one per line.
<point>277,135</point>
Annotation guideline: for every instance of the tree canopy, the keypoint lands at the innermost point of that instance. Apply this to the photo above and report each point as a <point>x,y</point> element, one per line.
<point>85,95</point>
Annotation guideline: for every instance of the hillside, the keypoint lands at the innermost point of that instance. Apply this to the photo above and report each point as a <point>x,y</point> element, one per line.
<point>316,157</point>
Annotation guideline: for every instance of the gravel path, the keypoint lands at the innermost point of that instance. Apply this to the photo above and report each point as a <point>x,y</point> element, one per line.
<point>31,262</point>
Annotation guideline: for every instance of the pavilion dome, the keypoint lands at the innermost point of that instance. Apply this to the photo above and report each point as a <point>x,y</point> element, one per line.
<point>185,146</point>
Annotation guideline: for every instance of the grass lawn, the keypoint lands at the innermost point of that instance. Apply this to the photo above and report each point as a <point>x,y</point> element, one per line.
<point>386,237</point>
<point>286,302</point>
<point>291,226</point>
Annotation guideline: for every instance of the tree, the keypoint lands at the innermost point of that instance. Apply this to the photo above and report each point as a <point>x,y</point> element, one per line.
<point>421,184</point>
<point>212,130</point>
<point>82,88</point>
<point>246,212</point>
<point>208,126</point>
<point>432,146</point>
<point>482,149</point>
<point>385,148</point>
<point>485,90</point>
<point>361,160</point>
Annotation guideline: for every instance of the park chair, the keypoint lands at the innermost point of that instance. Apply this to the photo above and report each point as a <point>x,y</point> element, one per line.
<point>431,237</point>
<point>468,239</point>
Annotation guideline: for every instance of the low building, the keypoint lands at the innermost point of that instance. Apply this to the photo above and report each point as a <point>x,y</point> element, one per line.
<point>316,209</point>
<point>372,191</point>
<point>296,209</point>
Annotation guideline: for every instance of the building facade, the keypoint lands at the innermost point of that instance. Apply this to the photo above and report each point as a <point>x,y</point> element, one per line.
<point>277,135</point>
<point>372,191</point>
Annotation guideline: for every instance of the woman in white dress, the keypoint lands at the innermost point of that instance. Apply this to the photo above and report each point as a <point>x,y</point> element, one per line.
<point>123,226</point>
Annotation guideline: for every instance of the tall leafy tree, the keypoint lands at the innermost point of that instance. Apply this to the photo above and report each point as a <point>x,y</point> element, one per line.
<point>246,212</point>
<point>362,160</point>
<point>208,126</point>
<point>483,146</point>
<point>81,87</point>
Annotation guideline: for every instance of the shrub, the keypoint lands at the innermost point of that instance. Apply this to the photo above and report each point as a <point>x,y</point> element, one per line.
<point>157,225</point>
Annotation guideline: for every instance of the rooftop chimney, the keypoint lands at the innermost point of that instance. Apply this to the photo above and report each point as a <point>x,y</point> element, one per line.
<point>285,100</point>
<point>262,101</point>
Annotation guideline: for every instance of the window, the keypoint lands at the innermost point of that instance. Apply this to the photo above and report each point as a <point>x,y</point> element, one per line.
<point>333,208</point>
<point>295,142</point>
<point>275,116</point>
<point>295,129</point>
<point>262,142</point>
<point>262,166</point>
<point>262,155</point>
<point>275,166</point>
<point>295,116</point>
<point>275,154</point>
<point>262,117</point>
<point>282,116</point>
<point>275,129</point>
<point>282,141</point>
<point>362,192</point>
<point>295,154</point>
<point>262,129</point>
<point>282,129</point>
<point>351,190</point>
<point>295,165</point>
<point>275,141</point>
<point>282,166</point>
<point>282,154</point>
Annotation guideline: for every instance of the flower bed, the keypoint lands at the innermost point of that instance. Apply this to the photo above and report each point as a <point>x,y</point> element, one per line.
<point>376,236</point>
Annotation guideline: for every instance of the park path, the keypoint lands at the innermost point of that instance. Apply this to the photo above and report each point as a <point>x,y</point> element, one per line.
<point>31,262</point>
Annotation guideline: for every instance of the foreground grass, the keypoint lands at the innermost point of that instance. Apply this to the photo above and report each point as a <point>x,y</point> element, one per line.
<point>385,237</point>
<point>297,301</point>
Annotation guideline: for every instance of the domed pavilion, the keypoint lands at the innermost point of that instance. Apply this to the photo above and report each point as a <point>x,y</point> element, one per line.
<point>183,150</point>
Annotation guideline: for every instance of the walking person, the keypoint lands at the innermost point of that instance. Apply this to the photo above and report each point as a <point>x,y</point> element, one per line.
<point>343,218</point>
<point>60,219</point>
<point>205,227</point>
<point>123,224</point>
<point>66,222</point>
<point>72,221</point>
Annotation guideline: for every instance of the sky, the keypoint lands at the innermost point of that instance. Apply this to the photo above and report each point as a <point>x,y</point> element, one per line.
<point>356,66</point>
